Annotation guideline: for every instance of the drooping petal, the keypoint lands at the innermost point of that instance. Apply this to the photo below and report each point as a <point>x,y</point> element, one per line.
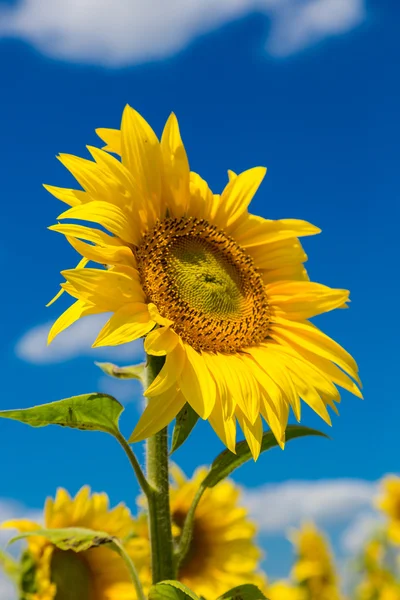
<point>161,341</point>
<point>104,255</point>
<point>159,412</point>
<point>224,427</point>
<point>175,362</point>
<point>127,324</point>
<point>253,432</point>
<point>307,336</point>
<point>196,383</point>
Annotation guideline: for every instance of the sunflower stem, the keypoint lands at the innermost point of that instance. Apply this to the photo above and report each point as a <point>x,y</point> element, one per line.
<point>144,484</point>
<point>162,555</point>
<point>187,531</point>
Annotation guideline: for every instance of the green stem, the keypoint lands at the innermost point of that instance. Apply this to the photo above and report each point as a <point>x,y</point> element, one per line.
<point>144,484</point>
<point>118,547</point>
<point>187,531</point>
<point>162,555</point>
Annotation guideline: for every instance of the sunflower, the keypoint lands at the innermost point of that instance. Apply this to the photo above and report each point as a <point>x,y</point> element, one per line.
<point>223,553</point>
<point>220,293</point>
<point>97,573</point>
<point>389,503</point>
<point>281,590</point>
<point>314,570</point>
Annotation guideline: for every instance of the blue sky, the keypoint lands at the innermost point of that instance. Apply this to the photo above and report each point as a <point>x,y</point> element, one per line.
<point>313,94</point>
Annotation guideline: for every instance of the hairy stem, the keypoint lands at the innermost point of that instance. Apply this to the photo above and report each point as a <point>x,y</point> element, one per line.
<point>144,484</point>
<point>162,556</point>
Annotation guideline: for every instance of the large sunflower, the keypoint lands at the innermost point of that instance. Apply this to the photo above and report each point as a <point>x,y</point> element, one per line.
<point>95,574</point>
<point>220,293</point>
<point>223,552</point>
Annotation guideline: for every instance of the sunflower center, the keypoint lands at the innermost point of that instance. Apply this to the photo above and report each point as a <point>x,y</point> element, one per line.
<point>71,575</point>
<point>205,283</point>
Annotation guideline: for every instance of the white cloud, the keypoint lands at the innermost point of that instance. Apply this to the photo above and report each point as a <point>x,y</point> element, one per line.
<point>122,32</point>
<point>73,342</point>
<point>7,589</point>
<point>277,507</point>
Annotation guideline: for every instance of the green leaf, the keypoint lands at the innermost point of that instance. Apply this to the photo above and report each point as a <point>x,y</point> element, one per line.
<point>95,412</point>
<point>227,462</point>
<point>243,592</point>
<point>129,372</point>
<point>171,590</point>
<point>77,539</point>
<point>185,421</point>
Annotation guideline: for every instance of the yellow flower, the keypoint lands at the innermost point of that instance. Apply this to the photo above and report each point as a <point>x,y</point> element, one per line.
<point>284,591</point>
<point>98,573</point>
<point>223,553</point>
<point>220,293</point>
<point>389,503</point>
<point>314,569</point>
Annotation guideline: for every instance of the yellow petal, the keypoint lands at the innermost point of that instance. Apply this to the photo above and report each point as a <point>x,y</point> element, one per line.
<point>301,300</point>
<point>78,310</point>
<point>107,289</point>
<point>176,167</point>
<point>196,383</point>
<point>285,253</point>
<point>159,412</point>
<point>107,215</point>
<point>129,323</point>
<point>256,231</point>
<point>104,255</point>
<point>161,341</point>
<point>231,175</point>
<point>237,196</point>
<point>252,432</point>
<point>98,237</point>
<point>201,197</point>
<point>22,525</point>
<point>307,336</point>
<point>175,362</point>
<point>141,154</point>
<point>155,315</point>
<point>70,197</point>
<point>112,137</point>
<point>224,427</point>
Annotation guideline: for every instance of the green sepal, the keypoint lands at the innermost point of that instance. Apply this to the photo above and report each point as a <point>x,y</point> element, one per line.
<point>186,419</point>
<point>243,592</point>
<point>227,462</point>
<point>93,412</point>
<point>171,590</point>
<point>128,372</point>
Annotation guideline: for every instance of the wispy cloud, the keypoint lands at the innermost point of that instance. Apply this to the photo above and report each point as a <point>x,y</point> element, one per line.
<point>360,530</point>
<point>122,32</point>
<point>277,507</point>
<point>74,342</point>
